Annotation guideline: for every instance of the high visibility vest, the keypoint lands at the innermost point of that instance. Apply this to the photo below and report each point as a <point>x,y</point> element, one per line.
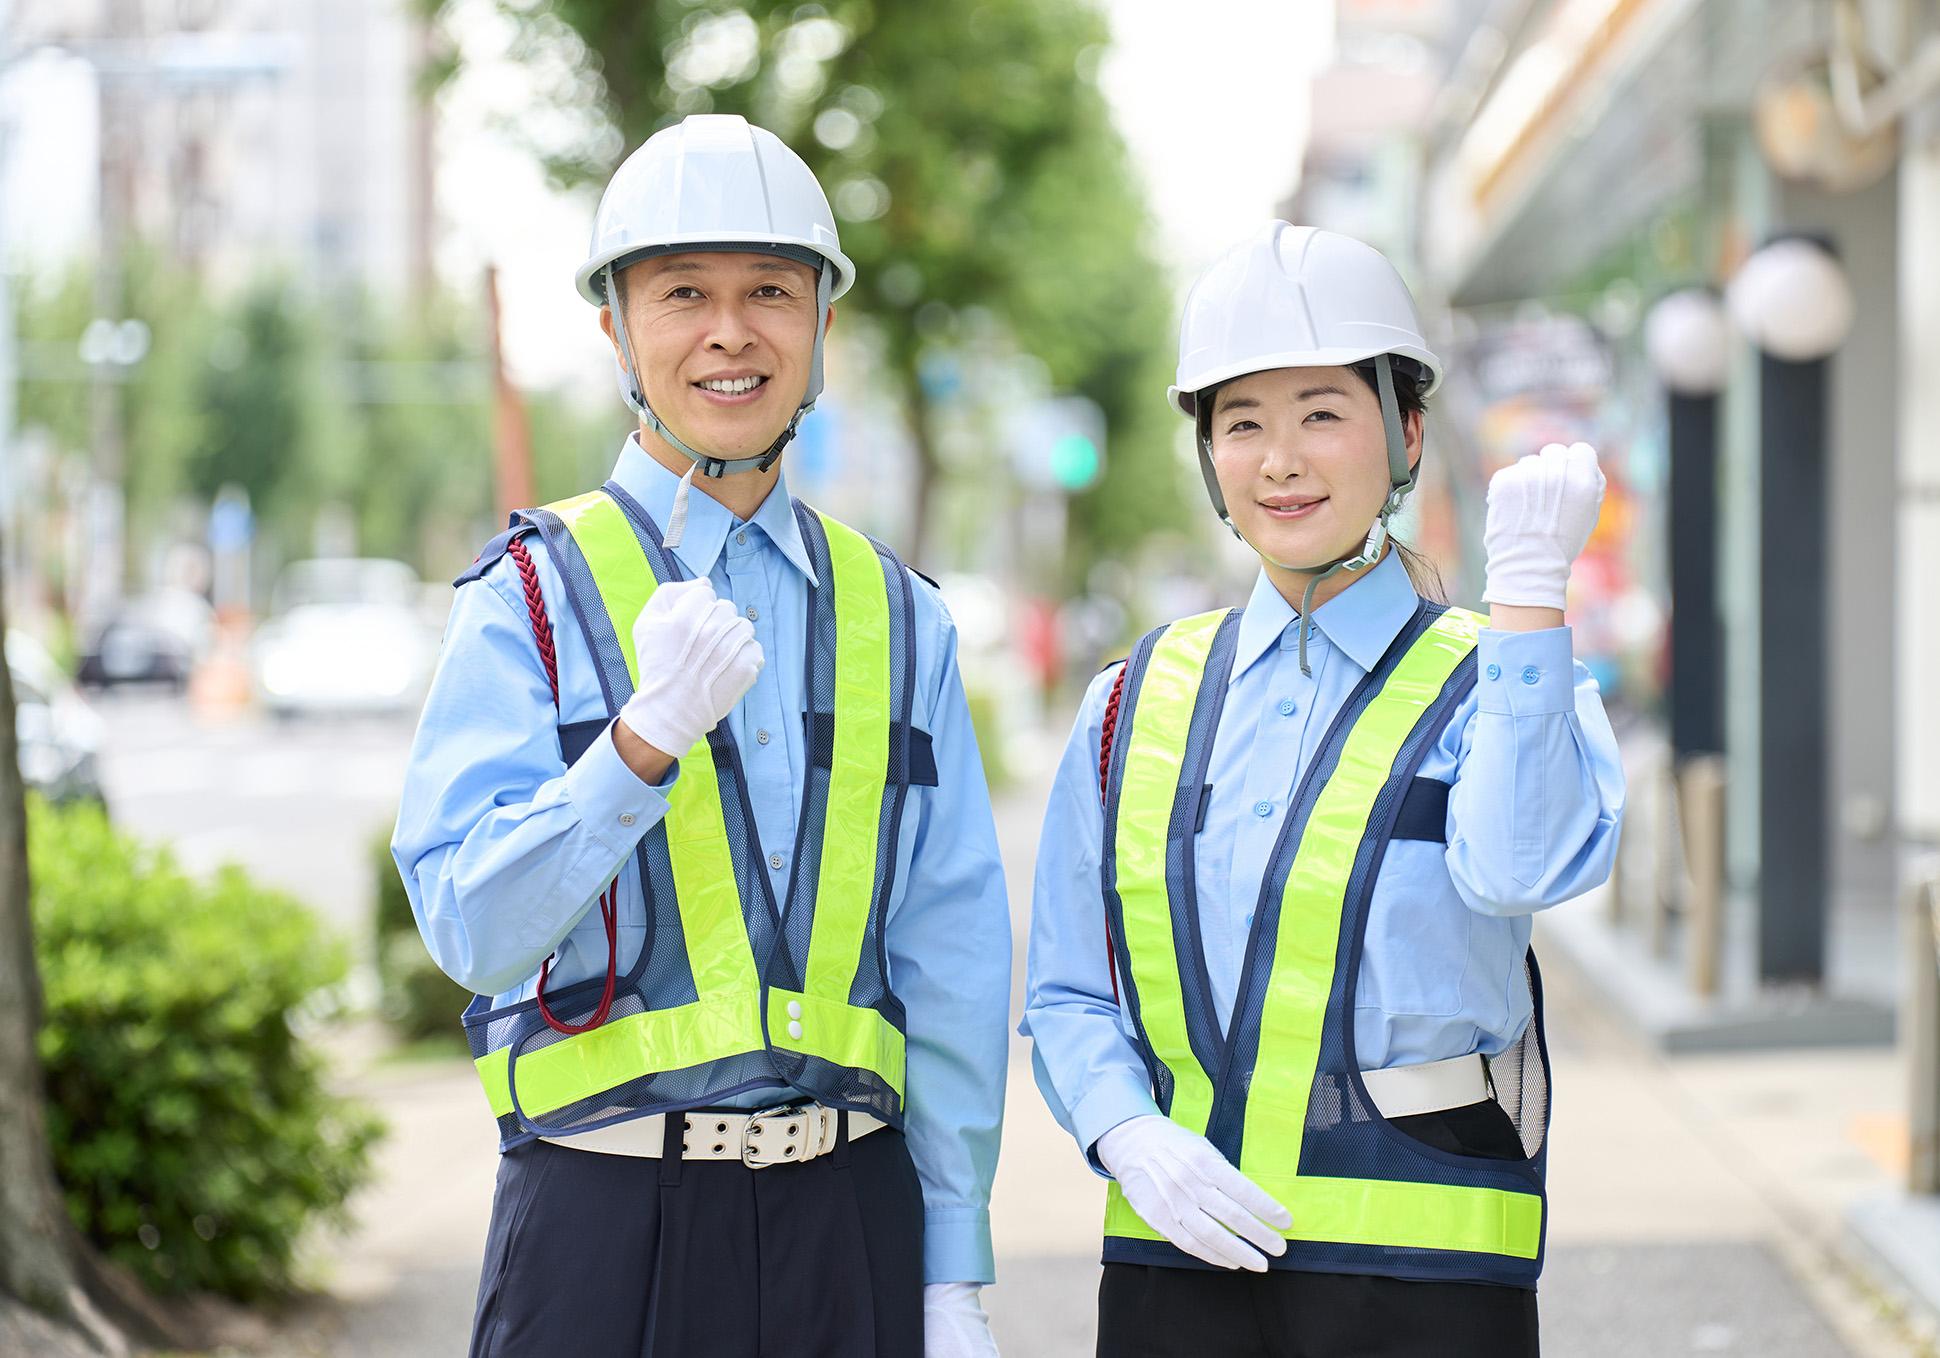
<point>1279,1092</point>
<point>732,990</point>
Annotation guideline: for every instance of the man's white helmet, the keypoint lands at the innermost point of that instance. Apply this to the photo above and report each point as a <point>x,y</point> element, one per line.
<point>713,182</point>
<point>1295,297</point>
<point>709,181</point>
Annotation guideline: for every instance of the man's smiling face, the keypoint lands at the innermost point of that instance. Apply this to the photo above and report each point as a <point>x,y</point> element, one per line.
<point>722,343</point>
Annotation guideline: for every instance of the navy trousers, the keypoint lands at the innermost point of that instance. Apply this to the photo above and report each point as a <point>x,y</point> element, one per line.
<point>1148,1311</point>
<point>619,1256</point>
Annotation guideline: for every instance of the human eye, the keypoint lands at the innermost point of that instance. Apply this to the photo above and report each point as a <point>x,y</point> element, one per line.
<point>1240,426</point>
<point>1322,415</point>
<point>771,291</point>
<point>683,292</point>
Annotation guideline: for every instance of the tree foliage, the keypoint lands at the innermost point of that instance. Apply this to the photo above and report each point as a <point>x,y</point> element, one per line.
<point>972,164</point>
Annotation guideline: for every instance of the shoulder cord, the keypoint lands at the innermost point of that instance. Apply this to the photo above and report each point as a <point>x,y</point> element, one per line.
<point>535,607</point>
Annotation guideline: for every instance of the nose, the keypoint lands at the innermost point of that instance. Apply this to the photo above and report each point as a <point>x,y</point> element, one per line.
<point>728,330</point>
<point>1282,460</point>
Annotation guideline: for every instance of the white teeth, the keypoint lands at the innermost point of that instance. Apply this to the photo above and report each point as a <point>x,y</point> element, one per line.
<point>733,386</point>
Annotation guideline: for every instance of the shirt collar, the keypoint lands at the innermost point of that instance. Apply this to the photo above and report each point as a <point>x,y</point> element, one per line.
<point>1362,620</point>
<point>708,520</point>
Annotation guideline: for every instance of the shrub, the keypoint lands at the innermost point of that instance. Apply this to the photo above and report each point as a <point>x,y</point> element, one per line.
<point>419,1000</point>
<point>191,1128</point>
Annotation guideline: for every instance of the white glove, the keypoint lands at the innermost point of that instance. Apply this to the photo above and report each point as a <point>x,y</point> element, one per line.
<point>696,656</point>
<point>954,1325</point>
<point>1541,512</point>
<point>1190,1194</point>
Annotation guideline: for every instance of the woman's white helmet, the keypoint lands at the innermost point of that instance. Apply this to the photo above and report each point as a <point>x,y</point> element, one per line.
<point>1296,297</point>
<point>714,182</point>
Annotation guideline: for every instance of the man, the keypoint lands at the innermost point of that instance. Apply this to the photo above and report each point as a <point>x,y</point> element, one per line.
<point>750,1103</point>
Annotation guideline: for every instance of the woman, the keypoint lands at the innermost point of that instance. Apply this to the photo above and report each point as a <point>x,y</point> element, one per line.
<point>1280,983</point>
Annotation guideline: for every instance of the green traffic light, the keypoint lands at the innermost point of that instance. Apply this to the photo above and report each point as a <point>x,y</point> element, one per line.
<point>1074,461</point>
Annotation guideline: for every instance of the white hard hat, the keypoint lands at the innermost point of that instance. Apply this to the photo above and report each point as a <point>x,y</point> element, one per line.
<point>1296,297</point>
<point>713,180</point>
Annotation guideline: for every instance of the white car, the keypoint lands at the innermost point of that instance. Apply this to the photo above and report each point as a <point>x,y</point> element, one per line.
<point>349,636</point>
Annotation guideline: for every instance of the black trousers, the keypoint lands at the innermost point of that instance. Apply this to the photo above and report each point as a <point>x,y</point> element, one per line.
<point>1149,1311</point>
<point>619,1256</point>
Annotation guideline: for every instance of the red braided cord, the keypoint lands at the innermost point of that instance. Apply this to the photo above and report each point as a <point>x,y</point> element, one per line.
<point>535,608</point>
<point>1104,779</point>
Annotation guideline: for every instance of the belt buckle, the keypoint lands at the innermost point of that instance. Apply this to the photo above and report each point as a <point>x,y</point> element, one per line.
<point>750,1152</point>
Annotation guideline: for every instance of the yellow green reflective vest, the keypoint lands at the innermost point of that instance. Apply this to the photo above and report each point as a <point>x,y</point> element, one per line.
<point>733,989</point>
<point>1279,1092</point>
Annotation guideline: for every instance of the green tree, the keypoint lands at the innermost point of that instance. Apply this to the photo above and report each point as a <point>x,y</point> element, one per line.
<point>970,158</point>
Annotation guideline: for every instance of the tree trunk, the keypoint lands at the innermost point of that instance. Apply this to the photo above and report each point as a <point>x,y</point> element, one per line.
<point>916,404</point>
<point>37,1241</point>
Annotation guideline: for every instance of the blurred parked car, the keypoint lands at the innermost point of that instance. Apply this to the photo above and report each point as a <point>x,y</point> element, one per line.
<point>348,635</point>
<point>59,734</point>
<point>157,638</point>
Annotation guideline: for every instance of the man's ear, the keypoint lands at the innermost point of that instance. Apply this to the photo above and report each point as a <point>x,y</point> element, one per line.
<point>828,321</point>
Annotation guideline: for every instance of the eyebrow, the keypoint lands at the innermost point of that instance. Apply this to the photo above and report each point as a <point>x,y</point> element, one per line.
<point>1251,403</point>
<point>760,264</point>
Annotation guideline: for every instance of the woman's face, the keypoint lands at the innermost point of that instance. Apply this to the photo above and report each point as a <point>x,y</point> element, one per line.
<point>1302,457</point>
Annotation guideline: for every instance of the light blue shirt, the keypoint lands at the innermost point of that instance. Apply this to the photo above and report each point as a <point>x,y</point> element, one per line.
<point>505,849</point>
<point>1532,820</point>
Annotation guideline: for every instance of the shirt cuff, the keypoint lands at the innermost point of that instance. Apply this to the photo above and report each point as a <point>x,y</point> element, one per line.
<point>615,805</point>
<point>1526,674</point>
<point>1103,1108</point>
<point>956,1246</point>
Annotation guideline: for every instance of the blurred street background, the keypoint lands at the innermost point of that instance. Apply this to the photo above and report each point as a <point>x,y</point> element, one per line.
<point>287,324</point>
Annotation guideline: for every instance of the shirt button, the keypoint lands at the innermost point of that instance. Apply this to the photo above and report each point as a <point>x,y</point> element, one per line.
<point>741,538</point>
<point>626,818</point>
<point>795,1031</point>
<point>1286,707</point>
<point>774,861</point>
<point>1249,920</point>
<point>794,1009</point>
<point>1494,671</point>
<point>1530,674</point>
<point>754,613</point>
<point>761,737</point>
<point>1262,808</point>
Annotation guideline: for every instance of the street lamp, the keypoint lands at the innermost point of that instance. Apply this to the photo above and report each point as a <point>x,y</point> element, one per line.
<point>1792,300</point>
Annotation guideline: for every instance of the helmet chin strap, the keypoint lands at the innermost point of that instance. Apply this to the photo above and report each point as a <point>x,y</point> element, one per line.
<point>707,463</point>
<point>1401,480</point>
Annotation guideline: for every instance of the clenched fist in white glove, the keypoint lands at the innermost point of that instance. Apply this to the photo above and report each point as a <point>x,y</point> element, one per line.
<point>1191,1194</point>
<point>954,1325</point>
<point>696,657</point>
<point>1541,512</point>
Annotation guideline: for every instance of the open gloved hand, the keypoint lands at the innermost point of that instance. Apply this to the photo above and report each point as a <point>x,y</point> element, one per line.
<point>1542,510</point>
<point>696,658</point>
<point>1189,1193</point>
<point>954,1325</point>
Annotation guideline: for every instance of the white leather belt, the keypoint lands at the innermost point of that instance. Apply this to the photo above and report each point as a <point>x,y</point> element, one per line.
<point>1403,1091</point>
<point>783,1135</point>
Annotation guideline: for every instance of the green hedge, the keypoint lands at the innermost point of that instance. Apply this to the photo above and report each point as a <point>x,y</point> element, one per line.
<point>191,1128</point>
<point>420,1001</point>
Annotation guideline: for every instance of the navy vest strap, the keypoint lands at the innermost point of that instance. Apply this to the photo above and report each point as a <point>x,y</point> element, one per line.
<point>1424,812</point>
<point>921,769</point>
<point>1205,802</point>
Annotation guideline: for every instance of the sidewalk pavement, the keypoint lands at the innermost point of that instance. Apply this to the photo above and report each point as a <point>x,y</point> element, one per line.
<point>1696,1200</point>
